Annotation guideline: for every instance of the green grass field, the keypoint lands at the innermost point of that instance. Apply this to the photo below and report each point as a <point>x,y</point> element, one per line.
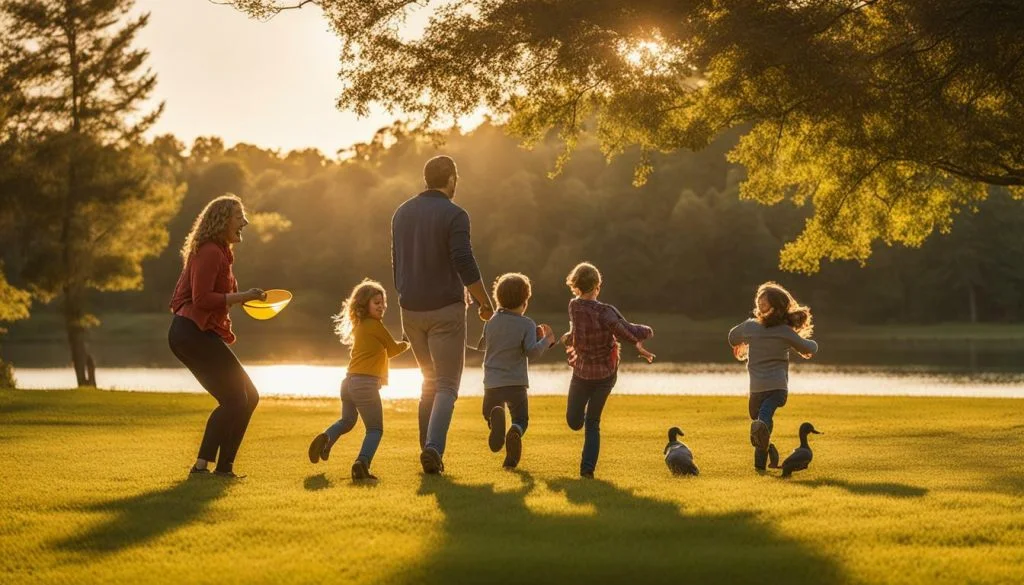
<point>902,490</point>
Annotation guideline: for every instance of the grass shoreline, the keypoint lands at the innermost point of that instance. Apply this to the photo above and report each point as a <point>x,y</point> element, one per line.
<point>901,491</point>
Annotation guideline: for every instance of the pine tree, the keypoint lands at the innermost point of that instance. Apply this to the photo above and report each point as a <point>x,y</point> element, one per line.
<point>91,201</point>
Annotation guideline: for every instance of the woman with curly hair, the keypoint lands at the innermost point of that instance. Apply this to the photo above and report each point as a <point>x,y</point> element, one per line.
<point>200,331</point>
<point>780,324</point>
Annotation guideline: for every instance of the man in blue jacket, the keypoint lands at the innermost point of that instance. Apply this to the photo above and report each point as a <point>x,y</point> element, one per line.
<point>433,263</point>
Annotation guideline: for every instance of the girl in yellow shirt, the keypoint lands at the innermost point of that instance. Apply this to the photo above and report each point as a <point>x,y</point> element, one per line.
<point>359,326</point>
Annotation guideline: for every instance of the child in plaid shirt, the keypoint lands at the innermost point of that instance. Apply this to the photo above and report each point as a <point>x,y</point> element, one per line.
<point>592,343</point>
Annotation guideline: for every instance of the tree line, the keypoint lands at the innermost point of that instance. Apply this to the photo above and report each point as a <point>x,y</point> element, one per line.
<point>684,242</point>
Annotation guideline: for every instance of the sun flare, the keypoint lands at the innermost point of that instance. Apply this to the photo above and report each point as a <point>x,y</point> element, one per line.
<point>636,53</point>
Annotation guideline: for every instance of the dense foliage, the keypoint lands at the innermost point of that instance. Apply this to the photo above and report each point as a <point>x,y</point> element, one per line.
<point>883,118</point>
<point>683,242</point>
<point>82,199</point>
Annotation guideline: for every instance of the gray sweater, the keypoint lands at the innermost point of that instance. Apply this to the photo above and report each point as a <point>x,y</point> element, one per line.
<point>768,356</point>
<point>509,341</point>
<point>431,253</point>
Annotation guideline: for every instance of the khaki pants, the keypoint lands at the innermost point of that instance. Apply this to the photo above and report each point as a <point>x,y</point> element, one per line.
<point>438,340</point>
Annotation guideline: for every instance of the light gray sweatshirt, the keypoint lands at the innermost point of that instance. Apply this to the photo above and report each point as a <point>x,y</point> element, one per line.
<point>509,341</point>
<point>768,355</point>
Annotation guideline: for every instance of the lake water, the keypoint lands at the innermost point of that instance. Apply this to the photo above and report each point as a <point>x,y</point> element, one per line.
<point>309,365</point>
<point>302,380</point>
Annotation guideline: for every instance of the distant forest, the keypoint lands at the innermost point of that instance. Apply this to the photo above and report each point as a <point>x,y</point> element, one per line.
<point>684,242</point>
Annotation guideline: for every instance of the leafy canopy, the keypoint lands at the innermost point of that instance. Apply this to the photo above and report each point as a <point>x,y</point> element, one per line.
<point>887,118</point>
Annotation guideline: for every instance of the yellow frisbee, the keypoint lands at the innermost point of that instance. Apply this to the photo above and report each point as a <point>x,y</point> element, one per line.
<point>277,299</point>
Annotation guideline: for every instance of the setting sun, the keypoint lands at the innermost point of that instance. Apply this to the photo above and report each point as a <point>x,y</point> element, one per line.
<point>638,52</point>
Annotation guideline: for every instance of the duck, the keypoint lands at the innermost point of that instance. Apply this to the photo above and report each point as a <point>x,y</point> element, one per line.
<point>678,456</point>
<point>801,457</point>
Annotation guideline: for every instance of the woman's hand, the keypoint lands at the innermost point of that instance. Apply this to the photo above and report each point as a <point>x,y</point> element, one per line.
<point>253,294</point>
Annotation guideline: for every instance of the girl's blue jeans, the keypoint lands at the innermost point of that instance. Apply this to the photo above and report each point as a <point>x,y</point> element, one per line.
<point>360,397</point>
<point>762,406</point>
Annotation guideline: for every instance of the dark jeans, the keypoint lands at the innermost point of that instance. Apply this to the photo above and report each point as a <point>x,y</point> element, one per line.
<point>762,407</point>
<point>360,397</point>
<point>586,401</point>
<point>512,396</point>
<point>215,366</point>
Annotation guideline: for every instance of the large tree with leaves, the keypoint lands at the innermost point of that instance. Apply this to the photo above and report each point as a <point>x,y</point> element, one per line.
<point>887,117</point>
<point>89,196</point>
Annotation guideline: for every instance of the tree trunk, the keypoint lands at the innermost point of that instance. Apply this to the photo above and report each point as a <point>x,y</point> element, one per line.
<point>78,338</point>
<point>74,295</point>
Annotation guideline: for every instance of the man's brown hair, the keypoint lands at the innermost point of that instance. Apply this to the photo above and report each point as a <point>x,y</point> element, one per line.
<point>437,171</point>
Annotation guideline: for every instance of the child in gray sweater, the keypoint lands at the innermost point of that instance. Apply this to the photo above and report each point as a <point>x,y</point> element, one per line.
<point>509,341</point>
<point>780,325</point>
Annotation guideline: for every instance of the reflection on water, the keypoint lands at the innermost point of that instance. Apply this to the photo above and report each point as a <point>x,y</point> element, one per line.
<point>948,355</point>
<point>299,380</point>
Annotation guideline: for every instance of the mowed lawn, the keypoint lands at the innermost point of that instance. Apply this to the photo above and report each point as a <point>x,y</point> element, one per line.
<point>93,489</point>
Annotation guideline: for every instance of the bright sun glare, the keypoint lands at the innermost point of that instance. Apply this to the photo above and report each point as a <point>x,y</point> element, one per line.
<point>636,53</point>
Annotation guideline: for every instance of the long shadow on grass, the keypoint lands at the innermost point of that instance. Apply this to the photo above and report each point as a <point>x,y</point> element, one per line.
<point>316,482</point>
<point>1011,483</point>
<point>136,520</point>
<point>606,535</point>
<point>897,490</point>
<point>72,423</point>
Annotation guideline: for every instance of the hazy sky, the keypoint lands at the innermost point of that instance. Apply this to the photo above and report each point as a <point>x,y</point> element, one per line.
<point>272,84</point>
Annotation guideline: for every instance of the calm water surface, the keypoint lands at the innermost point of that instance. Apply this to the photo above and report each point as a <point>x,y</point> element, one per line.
<point>301,380</point>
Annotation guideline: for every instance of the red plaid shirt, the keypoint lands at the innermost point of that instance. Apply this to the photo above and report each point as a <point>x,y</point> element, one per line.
<point>595,330</point>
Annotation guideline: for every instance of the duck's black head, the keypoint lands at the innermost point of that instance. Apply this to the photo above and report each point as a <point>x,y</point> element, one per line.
<point>808,428</point>
<point>672,434</point>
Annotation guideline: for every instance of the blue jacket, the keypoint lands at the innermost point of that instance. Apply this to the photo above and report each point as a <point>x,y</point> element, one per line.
<point>431,253</point>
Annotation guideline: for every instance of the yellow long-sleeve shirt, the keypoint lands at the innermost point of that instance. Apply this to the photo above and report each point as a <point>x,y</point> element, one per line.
<point>371,349</point>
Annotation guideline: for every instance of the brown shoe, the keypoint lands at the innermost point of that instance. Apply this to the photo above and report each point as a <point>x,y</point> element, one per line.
<point>430,459</point>
<point>316,448</point>
<point>361,471</point>
<point>513,447</point>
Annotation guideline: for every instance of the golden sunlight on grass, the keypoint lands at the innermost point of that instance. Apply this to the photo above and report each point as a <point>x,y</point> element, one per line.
<point>905,491</point>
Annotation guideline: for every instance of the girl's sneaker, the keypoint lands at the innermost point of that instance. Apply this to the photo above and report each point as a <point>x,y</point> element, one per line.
<point>361,471</point>
<point>513,447</point>
<point>316,448</point>
<point>325,454</point>
<point>496,440</point>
